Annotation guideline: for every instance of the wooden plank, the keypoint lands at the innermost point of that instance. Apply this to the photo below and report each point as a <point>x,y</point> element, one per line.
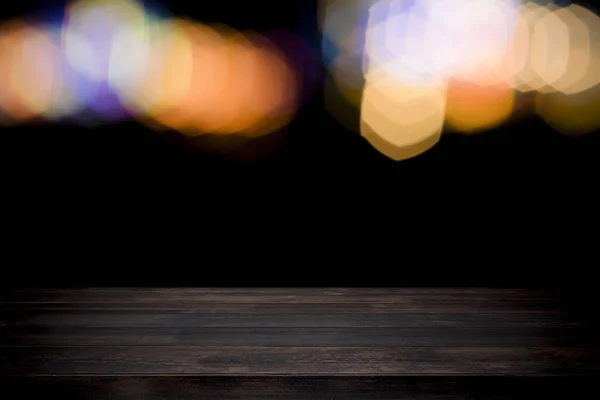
<point>289,316</point>
<point>257,360</point>
<point>318,337</point>
<point>199,306</point>
<point>299,388</point>
<point>410,298</point>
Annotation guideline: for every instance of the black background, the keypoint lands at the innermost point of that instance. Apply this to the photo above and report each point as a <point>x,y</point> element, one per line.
<point>125,205</point>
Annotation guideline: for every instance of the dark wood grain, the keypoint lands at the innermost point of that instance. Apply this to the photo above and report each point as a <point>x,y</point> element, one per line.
<point>473,300</point>
<point>301,388</point>
<point>288,315</point>
<point>316,336</point>
<point>295,332</point>
<point>264,360</point>
<point>208,306</point>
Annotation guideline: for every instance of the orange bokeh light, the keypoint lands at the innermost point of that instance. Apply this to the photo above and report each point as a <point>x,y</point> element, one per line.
<point>471,107</point>
<point>219,81</point>
<point>27,73</point>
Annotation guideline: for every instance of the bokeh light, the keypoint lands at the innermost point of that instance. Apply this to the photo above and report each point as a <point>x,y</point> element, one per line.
<point>215,80</point>
<point>26,71</point>
<point>168,75</point>
<point>71,94</point>
<point>583,70</point>
<point>571,114</point>
<point>95,33</point>
<point>486,57</point>
<point>398,72</point>
<point>472,107</point>
<point>433,40</point>
<point>109,60</point>
<point>401,121</point>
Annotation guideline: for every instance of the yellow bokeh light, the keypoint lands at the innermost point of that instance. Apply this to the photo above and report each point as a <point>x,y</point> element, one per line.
<point>550,50</point>
<point>401,121</point>
<point>571,114</point>
<point>525,47</point>
<point>570,105</point>
<point>167,79</point>
<point>584,65</point>
<point>578,59</point>
<point>555,49</point>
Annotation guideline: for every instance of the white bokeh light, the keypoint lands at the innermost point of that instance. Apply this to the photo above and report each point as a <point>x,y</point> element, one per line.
<point>94,28</point>
<point>425,41</point>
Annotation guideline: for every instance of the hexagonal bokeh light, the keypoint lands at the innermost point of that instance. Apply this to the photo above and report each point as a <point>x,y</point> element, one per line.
<point>482,55</point>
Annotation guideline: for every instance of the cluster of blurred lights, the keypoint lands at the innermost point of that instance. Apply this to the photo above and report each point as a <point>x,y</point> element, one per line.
<point>412,69</point>
<point>112,59</point>
<point>407,70</point>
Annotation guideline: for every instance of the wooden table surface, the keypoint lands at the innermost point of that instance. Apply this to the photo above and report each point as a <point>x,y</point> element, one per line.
<point>108,343</point>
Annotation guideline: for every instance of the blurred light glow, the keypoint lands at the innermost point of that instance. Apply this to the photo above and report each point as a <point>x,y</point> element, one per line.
<point>571,114</point>
<point>272,96</point>
<point>527,47</point>
<point>401,121</point>
<point>584,64</point>
<point>203,79</point>
<point>403,68</point>
<point>71,94</point>
<point>474,37</point>
<point>396,40</point>
<point>577,60</point>
<point>27,74</point>
<point>90,30</point>
<point>424,41</point>
<point>473,108</point>
<point>550,49</point>
<point>240,85</point>
<point>130,51</point>
<point>213,93</point>
<point>342,24</point>
<point>167,79</point>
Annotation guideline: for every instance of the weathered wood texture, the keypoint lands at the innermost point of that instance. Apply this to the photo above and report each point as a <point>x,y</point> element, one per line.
<point>299,388</point>
<point>410,298</point>
<point>295,332</point>
<point>266,360</point>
